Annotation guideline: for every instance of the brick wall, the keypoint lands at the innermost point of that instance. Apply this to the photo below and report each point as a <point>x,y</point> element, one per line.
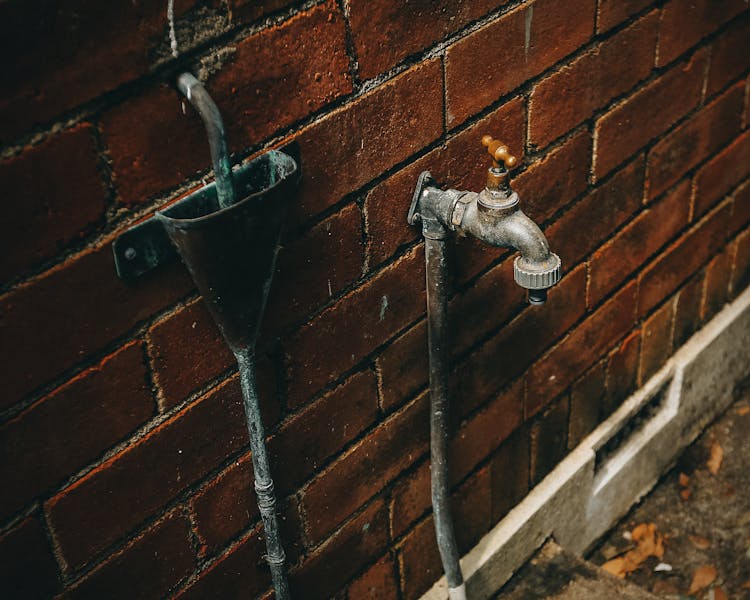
<point>125,469</point>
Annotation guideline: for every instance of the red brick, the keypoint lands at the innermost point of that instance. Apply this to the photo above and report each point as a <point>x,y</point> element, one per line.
<point>630,248</point>
<point>152,565</point>
<point>534,37</point>
<point>551,183</point>
<point>164,463</point>
<point>741,272</point>
<point>728,58</point>
<point>403,367</point>
<point>418,554</point>
<point>80,50</point>
<point>27,567</point>
<point>696,139</point>
<point>72,311</point>
<point>387,32</point>
<point>226,505</point>
<point>331,566</point>
<point>250,10</point>
<point>387,228</point>
<point>629,126</point>
<point>361,140</point>
<point>510,473</point>
<point>685,22</point>
<point>586,401</point>
<point>656,344</point>
<point>365,469</point>
<point>65,431</point>
<point>313,269</point>
<point>687,318</point>
<point>718,278</point>
<point>614,12</point>
<point>569,96</point>
<point>394,297</point>
<point>683,259</point>
<point>506,355</point>
<point>54,194</point>
<point>622,372</point>
<point>601,212</point>
<point>307,440</point>
<point>549,440</point>
<point>377,583</point>
<point>569,359</point>
<point>741,209</point>
<point>410,499</point>
<point>746,118</point>
<point>240,573</point>
<point>721,174</point>
<point>142,134</point>
<point>187,352</point>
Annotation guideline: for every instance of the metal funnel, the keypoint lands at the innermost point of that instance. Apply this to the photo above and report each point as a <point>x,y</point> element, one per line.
<point>231,252</point>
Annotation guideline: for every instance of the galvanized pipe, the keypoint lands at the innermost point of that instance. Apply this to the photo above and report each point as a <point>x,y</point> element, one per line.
<point>263,482</point>
<point>197,95</point>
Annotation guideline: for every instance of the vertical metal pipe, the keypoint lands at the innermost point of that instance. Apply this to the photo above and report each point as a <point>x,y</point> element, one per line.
<point>439,352</point>
<point>263,482</point>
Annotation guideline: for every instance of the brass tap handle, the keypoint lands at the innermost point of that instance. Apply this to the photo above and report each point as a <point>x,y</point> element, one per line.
<point>499,152</point>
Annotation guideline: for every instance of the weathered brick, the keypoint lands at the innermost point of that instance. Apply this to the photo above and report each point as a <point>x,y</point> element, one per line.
<point>361,140</point>
<point>614,12</point>
<point>250,10</point>
<point>314,268</point>
<point>377,583</point>
<point>741,272</point>
<point>387,32</point>
<point>27,566</point>
<point>152,565</point>
<point>363,471</point>
<point>403,367</point>
<point>550,184</point>
<point>541,32</point>
<point>628,250</point>
<point>741,209</point>
<point>80,50</point>
<point>240,573</point>
<point>65,431</point>
<point>601,212</point>
<point>330,567</point>
<point>410,499</point>
<point>320,430</point>
<point>683,258</point>
<point>419,560</point>
<point>687,318</point>
<point>187,352</point>
<point>549,439</point>
<point>518,344</point>
<point>569,359</point>
<point>586,401</point>
<point>656,344</point>
<point>728,59</point>
<point>386,204</point>
<point>72,311</point>
<point>53,195</point>
<point>164,463</point>
<point>721,174</point>
<point>264,68</point>
<point>718,278</point>
<point>622,372</point>
<point>703,134</point>
<point>394,297</point>
<point>572,94</point>
<point>509,470</point>
<point>685,22</point>
<point>630,125</point>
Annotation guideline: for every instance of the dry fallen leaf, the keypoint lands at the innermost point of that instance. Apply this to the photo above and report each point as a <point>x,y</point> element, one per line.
<point>743,410</point>
<point>702,578</point>
<point>700,542</point>
<point>684,480</point>
<point>719,594</point>
<point>648,543</point>
<point>717,455</point>
<point>685,494</point>
<point>664,587</point>
<point>746,585</point>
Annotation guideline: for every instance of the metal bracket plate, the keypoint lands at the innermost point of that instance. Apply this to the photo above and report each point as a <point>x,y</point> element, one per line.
<point>142,248</point>
<point>425,180</point>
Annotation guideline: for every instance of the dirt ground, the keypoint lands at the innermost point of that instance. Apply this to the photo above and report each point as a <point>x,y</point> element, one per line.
<point>699,546</point>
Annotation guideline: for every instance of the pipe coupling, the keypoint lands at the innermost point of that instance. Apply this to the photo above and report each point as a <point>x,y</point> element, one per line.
<point>537,275</point>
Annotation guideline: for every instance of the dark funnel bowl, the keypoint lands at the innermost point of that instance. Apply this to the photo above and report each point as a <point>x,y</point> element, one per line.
<point>231,252</point>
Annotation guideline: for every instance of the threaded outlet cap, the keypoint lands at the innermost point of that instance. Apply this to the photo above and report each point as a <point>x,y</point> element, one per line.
<point>534,276</point>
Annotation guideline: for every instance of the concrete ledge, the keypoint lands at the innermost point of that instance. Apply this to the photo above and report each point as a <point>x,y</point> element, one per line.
<point>620,461</point>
